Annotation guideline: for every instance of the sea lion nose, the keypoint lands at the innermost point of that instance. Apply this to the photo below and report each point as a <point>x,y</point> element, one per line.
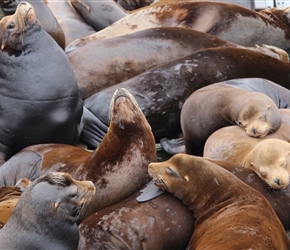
<point>277,181</point>
<point>254,131</point>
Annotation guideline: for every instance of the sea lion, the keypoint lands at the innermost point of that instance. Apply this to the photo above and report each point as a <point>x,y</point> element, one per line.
<point>46,214</point>
<point>219,105</point>
<point>227,21</point>
<point>123,57</point>
<point>118,167</point>
<point>130,5</point>
<point>228,212</point>
<point>9,196</point>
<point>70,21</point>
<point>99,14</point>
<point>156,93</point>
<point>162,223</point>
<point>278,13</point>
<point>36,105</point>
<point>44,15</point>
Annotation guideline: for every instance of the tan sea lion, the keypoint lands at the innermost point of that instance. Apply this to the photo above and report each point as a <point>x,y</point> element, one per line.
<point>227,21</point>
<point>46,213</point>
<point>228,212</point>
<point>219,105</point>
<point>9,196</point>
<point>118,167</point>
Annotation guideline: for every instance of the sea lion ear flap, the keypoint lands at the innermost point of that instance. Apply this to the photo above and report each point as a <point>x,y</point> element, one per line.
<point>3,45</point>
<point>269,106</point>
<point>54,206</point>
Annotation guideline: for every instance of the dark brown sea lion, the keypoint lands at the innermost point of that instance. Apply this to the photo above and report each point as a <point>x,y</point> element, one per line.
<point>70,21</point>
<point>227,21</point>
<point>44,15</point>
<point>40,99</point>
<point>46,214</point>
<point>189,73</point>
<point>219,105</point>
<point>162,223</point>
<point>123,57</point>
<point>99,14</point>
<point>228,212</point>
<point>118,167</point>
<point>9,196</point>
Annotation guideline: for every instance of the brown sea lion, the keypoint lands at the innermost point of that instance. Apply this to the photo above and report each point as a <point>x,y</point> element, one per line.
<point>227,21</point>
<point>189,73</point>
<point>40,99</point>
<point>162,223</point>
<point>44,15</point>
<point>118,167</point>
<point>219,105</point>
<point>46,213</point>
<point>278,13</point>
<point>9,196</point>
<point>123,57</point>
<point>99,13</point>
<point>70,21</point>
<point>228,212</point>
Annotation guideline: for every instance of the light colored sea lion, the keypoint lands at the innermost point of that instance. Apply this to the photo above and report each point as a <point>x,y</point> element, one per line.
<point>228,212</point>
<point>40,99</point>
<point>70,21</point>
<point>219,105</point>
<point>124,57</point>
<point>230,144</point>
<point>44,15</point>
<point>227,21</point>
<point>46,213</point>
<point>118,167</point>
<point>189,73</point>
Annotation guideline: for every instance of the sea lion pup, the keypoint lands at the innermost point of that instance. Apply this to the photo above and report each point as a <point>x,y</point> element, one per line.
<point>123,57</point>
<point>161,223</point>
<point>219,105</point>
<point>229,214</point>
<point>156,93</point>
<point>46,214</point>
<point>9,196</point>
<point>118,167</point>
<point>44,15</point>
<point>40,100</point>
<point>227,21</point>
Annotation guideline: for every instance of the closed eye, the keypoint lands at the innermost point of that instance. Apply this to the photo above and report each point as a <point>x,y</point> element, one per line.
<point>172,172</point>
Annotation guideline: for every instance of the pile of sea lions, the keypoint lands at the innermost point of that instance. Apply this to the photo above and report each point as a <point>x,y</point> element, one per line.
<point>141,124</point>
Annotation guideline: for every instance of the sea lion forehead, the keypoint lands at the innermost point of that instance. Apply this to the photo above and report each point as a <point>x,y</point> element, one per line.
<point>57,178</point>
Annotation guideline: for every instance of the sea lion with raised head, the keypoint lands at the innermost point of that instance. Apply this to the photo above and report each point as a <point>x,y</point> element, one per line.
<point>228,212</point>
<point>219,105</point>
<point>118,167</point>
<point>227,21</point>
<point>44,15</point>
<point>46,214</point>
<point>40,99</point>
<point>156,93</point>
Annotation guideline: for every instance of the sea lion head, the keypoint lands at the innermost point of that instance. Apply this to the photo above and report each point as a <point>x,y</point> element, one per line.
<point>270,159</point>
<point>259,116</point>
<point>12,28</point>
<point>59,199</point>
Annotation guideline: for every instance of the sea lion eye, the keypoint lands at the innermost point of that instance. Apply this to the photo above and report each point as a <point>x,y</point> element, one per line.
<point>172,172</point>
<point>11,25</point>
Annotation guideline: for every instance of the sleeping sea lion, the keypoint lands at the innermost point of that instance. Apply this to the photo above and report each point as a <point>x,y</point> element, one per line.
<point>219,105</point>
<point>46,213</point>
<point>228,212</point>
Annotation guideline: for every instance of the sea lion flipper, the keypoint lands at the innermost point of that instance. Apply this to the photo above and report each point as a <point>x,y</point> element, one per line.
<point>149,192</point>
<point>173,146</point>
